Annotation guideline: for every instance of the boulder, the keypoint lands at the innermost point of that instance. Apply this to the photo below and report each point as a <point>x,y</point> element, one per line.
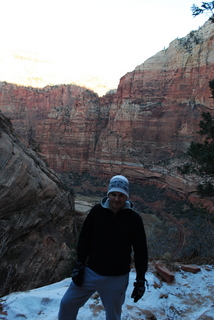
<point>191,268</point>
<point>167,275</point>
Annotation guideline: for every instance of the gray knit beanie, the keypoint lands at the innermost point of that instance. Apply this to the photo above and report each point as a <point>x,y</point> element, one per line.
<point>119,184</point>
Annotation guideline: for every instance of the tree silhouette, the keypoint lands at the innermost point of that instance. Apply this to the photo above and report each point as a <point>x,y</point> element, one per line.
<point>201,155</point>
<point>205,7</point>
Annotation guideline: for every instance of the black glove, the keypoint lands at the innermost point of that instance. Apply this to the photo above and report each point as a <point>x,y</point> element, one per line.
<point>139,289</point>
<point>78,274</point>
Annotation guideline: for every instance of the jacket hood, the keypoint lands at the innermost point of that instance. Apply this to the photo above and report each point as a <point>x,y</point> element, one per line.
<point>105,204</point>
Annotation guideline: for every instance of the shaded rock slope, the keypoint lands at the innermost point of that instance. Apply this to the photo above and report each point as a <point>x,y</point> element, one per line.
<point>36,217</point>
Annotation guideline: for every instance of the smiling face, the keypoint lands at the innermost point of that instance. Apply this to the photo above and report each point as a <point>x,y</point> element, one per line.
<point>117,201</point>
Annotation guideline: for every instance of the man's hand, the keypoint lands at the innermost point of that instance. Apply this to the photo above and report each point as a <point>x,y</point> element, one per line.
<point>78,274</point>
<point>139,289</point>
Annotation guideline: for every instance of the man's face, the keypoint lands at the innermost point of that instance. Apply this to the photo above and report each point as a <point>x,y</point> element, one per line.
<point>117,201</point>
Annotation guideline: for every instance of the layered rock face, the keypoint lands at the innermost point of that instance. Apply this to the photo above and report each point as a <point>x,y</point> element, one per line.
<point>153,116</point>
<point>164,97</point>
<point>59,122</point>
<point>36,217</point>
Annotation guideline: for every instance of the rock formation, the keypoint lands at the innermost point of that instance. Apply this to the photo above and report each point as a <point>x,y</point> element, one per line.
<point>152,118</point>
<point>36,217</point>
<point>159,104</point>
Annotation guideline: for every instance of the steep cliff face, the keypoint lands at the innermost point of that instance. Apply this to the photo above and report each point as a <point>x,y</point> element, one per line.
<point>60,122</point>
<point>153,116</point>
<point>161,100</point>
<point>27,106</point>
<point>36,217</point>
<point>178,74</point>
<point>156,110</point>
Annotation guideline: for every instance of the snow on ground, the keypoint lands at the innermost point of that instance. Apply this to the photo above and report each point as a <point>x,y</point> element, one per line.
<point>190,297</point>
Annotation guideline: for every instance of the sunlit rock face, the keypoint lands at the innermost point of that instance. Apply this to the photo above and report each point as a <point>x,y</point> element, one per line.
<point>153,116</point>
<point>36,217</point>
<point>167,93</point>
<point>178,74</point>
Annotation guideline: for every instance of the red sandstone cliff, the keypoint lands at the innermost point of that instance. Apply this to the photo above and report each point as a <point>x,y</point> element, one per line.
<point>157,107</point>
<point>151,118</point>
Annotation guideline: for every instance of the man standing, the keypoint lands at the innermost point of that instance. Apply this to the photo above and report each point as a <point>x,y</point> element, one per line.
<point>110,232</point>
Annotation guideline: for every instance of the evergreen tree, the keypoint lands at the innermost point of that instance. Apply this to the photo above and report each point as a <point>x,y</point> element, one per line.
<point>205,7</point>
<point>201,155</point>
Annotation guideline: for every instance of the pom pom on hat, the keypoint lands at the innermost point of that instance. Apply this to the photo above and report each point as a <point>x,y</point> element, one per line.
<point>119,183</point>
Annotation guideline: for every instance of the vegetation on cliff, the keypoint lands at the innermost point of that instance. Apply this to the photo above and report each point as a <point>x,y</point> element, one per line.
<point>201,155</point>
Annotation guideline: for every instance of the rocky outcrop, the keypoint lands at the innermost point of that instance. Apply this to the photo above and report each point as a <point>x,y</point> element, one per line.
<point>165,274</point>
<point>152,118</point>
<point>36,217</point>
<point>191,268</point>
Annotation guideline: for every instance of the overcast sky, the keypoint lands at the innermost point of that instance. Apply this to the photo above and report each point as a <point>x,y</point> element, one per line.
<point>105,38</point>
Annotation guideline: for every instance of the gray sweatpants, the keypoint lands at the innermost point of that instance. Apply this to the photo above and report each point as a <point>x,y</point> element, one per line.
<point>111,289</point>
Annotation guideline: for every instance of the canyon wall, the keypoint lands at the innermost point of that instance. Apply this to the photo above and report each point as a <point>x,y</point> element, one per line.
<point>36,217</point>
<point>158,105</point>
<point>152,117</point>
<point>136,131</point>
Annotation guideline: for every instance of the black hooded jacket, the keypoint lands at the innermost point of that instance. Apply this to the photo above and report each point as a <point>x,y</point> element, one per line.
<point>107,240</point>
